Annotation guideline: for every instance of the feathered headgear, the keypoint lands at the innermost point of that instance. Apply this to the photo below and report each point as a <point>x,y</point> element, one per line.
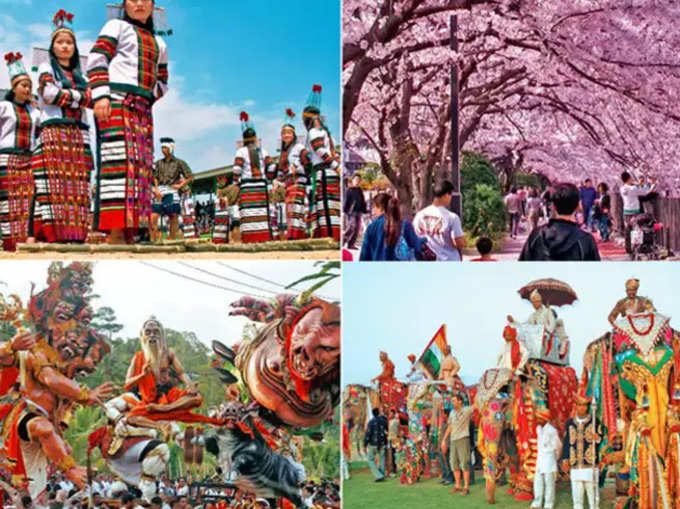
<point>247,128</point>
<point>17,70</point>
<point>63,22</point>
<point>313,106</point>
<point>289,120</point>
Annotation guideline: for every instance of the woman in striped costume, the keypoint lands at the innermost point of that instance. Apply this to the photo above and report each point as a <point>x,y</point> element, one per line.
<point>252,166</point>
<point>294,163</point>
<point>128,73</point>
<point>222,215</point>
<point>63,160</point>
<point>19,121</point>
<point>325,215</point>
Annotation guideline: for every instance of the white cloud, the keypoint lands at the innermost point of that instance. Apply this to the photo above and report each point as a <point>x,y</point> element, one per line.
<point>40,31</point>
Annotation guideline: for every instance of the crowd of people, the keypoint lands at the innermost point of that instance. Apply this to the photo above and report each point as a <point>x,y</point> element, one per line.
<point>561,222</point>
<point>190,492</point>
<point>55,188</point>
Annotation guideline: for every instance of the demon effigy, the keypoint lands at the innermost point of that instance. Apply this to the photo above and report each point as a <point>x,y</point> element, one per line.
<point>290,371</point>
<point>39,387</point>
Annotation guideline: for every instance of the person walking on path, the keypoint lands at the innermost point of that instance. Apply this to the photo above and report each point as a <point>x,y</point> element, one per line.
<point>561,239</point>
<point>375,441</point>
<point>389,238</point>
<point>534,205</point>
<point>457,439</point>
<point>513,204</point>
<point>441,227</point>
<point>354,209</point>
<point>602,208</point>
<point>549,448</point>
<point>631,193</point>
<point>588,196</point>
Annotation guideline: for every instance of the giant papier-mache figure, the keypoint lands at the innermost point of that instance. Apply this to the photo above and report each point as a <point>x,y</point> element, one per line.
<point>38,385</point>
<point>632,375</point>
<point>290,371</point>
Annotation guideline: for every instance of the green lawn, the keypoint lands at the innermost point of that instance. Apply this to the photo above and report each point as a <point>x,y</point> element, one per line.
<point>360,491</point>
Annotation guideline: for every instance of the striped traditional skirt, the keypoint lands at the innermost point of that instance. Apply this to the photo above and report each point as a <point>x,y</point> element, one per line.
<point>124,178</point>
<point>220,234</point>
<point>17,191</point>
<point>62,165</point>
<point>235,216</point>
<point>188,217</point>
<point>296,211</point>
<point>325,215</point>
<point>254,211</point>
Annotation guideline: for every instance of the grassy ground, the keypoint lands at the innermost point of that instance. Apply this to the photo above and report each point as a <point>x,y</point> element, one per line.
<point>361,491</point>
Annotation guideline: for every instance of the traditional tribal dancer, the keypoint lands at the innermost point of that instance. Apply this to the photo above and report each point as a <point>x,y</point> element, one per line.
<point>294,162</point>
<point>188,210</point>
<point>325,216</point>
<point>222,212</point>
<point>63,160</point>
<point>128,73</point>
<point>253,167</point>
<point>632,304</point>
<point>19,121</point>
<point>171,176</point>
<point>277,198</point>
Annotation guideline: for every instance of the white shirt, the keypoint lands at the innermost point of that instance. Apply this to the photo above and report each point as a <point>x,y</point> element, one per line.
<point>183,491</point>
<point>504,360</point>
<point>8,126</point>
<point>51,102</point>
<point>631,197</point>
<point>107,71</point>
<point>244,168</point>
<point>439,225</point>
<point>549,446</point>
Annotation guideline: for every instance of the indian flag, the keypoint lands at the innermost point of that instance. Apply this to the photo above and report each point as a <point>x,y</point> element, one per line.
<point>431,359</point>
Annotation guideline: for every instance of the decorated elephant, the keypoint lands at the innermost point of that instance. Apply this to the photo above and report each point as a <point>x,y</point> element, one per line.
<point>357,402</point>
<point>632,374</point>
<point>507,429</point>
<point>291,367</point>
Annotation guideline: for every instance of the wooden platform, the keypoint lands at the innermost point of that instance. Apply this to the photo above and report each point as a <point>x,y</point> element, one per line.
<point>184,246</point>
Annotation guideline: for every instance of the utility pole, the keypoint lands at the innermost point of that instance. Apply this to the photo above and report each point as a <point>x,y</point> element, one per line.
<point>457,198</point>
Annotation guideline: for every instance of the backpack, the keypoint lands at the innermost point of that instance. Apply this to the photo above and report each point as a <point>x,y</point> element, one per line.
<point>402,251</point>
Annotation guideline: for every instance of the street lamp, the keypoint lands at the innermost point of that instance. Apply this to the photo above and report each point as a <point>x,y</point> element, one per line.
<point>457,198</point>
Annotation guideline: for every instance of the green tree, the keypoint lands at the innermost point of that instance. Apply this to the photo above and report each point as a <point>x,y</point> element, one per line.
<point>105,322</point>
<point>483,209</point>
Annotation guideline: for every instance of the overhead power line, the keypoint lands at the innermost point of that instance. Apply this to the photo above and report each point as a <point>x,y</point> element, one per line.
<point>268,280</point>
<point>206,283</point>
<point>226,278</point>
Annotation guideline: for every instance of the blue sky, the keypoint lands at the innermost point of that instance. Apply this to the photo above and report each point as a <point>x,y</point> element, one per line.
<point>399,307</point>
<point>262,56</point>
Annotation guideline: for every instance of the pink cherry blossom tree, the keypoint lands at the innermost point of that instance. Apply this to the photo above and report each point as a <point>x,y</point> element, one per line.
<point>565,89</point>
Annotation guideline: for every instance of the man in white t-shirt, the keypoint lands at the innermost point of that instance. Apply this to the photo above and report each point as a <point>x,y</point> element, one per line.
<point>630,192</point>
<point>440,226</point>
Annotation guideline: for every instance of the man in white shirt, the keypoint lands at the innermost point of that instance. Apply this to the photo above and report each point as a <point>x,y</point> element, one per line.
<point>630,192</point>
<point>440,226</point>
<point>549,448</point>
<point>513,204</point>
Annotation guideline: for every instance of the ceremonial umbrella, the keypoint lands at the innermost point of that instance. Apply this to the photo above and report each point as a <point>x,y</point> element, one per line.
<point>553,291</point>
